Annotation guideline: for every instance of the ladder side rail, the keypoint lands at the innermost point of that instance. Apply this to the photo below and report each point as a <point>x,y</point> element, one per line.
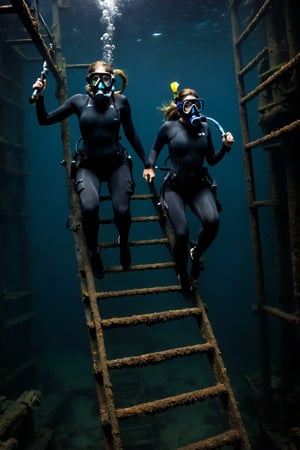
<point>93,322</point>
<point>291,18</point>
<point>215,358</point>
<point>220,372</point>
<point>163,222</point>
<point>103,384</point>
<point>254,219</point>
<point>282,107</point>
<point>109,420</point>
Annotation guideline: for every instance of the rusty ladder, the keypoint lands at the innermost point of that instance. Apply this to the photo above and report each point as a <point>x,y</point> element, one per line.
<point>111,415</point>
<point>279,131</point>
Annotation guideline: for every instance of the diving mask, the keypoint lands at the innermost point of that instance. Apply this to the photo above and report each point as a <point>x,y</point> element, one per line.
<point>195,105</point>
<point>106,78</point>
<point>191,109</point>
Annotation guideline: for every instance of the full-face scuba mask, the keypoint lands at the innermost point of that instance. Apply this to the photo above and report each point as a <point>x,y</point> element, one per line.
<point>101,83</point>
<point>190,109</point>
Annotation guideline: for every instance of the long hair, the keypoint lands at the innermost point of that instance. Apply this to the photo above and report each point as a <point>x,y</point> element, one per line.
<point>170,111</point>
<point>109,69</point>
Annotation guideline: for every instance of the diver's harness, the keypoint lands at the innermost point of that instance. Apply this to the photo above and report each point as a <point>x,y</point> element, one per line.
<point>205,181</point>
<point>80,155</point>
<point>209,182</point>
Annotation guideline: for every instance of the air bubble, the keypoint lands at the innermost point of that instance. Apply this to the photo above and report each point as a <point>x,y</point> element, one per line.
<point>110,11</point>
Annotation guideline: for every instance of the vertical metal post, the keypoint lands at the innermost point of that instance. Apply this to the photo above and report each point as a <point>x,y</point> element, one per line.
<point>254,220</point>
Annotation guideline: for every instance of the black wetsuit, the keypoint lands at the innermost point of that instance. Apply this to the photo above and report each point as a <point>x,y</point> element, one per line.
<point>186,184</point>
<point>105,158</point>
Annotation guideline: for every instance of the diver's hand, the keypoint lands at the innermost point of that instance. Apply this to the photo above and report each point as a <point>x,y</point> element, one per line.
<point>40,85</point>
<point>149,175</point>
<point>228,139</point>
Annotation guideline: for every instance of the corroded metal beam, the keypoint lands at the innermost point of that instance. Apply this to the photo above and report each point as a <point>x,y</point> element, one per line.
<point>21,407</point>
<point>32,26</point>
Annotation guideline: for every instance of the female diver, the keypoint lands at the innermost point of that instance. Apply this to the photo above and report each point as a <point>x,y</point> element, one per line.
<point>189,141</point>
<point>101,112</point>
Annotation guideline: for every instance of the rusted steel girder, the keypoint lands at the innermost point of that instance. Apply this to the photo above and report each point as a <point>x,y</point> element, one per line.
<point>32,26</point>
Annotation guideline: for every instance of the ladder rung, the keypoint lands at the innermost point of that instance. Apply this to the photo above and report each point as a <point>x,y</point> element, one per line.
<point>21,41</point>
<point>150,318</point>
<point>135,243</point>
<point>140,291</point>
<point>164,404</point>
<point>18,320</point>
<point>21,369</point>
<point>134,219</point>
<point>218,441</point>
<point>15,295</point>
<point>164,265</point>
<point>158,357</point>
<point>262,203</point>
